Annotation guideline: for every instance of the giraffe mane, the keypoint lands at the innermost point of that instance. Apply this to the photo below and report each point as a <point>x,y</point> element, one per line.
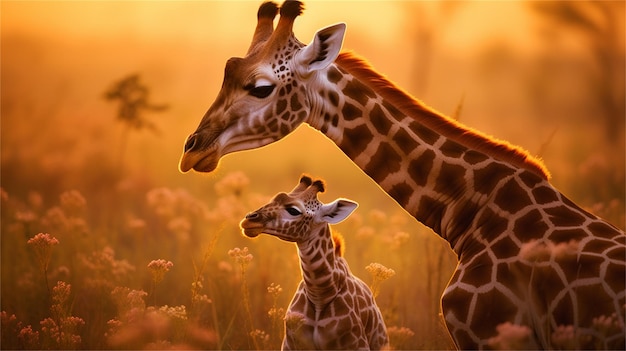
<point>339,243</point>
<point>430,118</point>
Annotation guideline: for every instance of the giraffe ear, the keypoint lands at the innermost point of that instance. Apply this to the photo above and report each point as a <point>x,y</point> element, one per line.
<point>323,50</point>
<point>337,210</point>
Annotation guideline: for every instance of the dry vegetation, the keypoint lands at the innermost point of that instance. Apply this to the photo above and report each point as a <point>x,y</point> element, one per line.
<point>173,273</point>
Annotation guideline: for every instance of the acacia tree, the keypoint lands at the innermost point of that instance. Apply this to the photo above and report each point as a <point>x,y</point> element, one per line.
<point>601,24</point>
<point>134,103</point>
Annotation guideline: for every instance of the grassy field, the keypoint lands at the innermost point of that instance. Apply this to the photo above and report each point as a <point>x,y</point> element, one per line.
<point>105,245</point>
<point>175,271</point>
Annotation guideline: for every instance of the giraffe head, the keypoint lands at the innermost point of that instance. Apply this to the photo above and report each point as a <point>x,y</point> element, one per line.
<point>265,95</point>
<point>298,215</point>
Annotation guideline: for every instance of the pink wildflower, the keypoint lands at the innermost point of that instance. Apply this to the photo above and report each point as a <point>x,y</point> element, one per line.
<point>5,318</point>
<point>511,336</point>
<point>607,324</point>
<point>399,337</point>
<point>565,337</point>
<point>42,243</point>
<point>60,297</point>
<point>159,268</point>
<point>43,239</point>
<point>28,337</point>
<point>274,290</point>
<point>241,256</point>
<point>73,202</point>
<point>379,274</point>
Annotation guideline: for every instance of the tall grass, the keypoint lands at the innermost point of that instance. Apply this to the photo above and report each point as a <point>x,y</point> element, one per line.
<point>171,275</point>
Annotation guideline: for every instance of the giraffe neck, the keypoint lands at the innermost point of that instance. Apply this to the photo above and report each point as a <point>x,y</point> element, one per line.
<point>440,172</point>
<point>322,272</point>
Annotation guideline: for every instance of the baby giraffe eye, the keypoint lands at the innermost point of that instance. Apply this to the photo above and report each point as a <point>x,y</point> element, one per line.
<point>293,211</point>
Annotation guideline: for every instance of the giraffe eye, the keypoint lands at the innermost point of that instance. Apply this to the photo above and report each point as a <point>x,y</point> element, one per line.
<point>293,211</point>
<point>262,91</point>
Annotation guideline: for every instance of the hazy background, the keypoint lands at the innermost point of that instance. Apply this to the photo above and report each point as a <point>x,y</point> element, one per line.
<point>548,76</point>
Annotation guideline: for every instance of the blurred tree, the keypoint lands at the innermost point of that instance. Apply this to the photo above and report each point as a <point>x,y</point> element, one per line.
<point>599,27</point>
<point>134,101</point>
<point>423,22</point>
<point>602,24</point>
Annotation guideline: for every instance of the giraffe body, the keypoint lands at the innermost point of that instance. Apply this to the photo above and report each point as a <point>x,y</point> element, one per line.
<point>530,260</point>
<point>332,309</point>
<point>558,274</point>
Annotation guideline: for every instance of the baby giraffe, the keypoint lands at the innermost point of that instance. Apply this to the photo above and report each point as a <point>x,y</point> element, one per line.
<point>332,309</point>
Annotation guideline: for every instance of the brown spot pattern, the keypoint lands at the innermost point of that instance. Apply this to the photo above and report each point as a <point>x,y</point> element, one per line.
<point>380,121</point>
<point>404,141</point>
<point>564,216</point>
<point>450,179</point>
<point>530,226</point>
<point>486,178</point>
<point>420,168</point>
<point>356,140</point>
<point>385,161</point>
<point>358,91</point>
<point>350,112</point>
<point>511,197</point>
<point>402,193</point>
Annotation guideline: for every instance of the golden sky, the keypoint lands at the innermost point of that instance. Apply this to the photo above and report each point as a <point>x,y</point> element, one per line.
<point>61,57</point>
<point>139,34</point>
<point>194,20</point>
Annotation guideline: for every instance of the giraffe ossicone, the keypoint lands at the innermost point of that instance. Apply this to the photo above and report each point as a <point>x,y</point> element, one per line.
<point>529,258</point>
<point>332,309</point>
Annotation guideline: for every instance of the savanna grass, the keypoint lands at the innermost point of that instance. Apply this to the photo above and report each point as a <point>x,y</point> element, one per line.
<point>161,276</point>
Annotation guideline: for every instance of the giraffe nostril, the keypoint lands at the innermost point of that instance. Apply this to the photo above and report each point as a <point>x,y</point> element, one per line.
<point>191,142</point>
<point>253,216</point>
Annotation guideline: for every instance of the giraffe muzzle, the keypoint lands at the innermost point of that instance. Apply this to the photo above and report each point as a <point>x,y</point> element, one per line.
<point>198,155</point>
<point>251,225</point>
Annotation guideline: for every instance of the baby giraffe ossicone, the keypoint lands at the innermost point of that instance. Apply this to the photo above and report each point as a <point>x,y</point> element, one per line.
<point>337,309</point>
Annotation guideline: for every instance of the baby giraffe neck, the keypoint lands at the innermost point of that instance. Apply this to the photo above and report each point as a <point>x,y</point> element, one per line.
<point>320,271</point>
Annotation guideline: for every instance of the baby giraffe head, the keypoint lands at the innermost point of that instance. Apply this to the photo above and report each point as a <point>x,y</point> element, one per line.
<point>298,215</point>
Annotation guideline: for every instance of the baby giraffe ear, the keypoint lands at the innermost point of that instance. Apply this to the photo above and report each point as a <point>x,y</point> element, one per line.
<point>337,210</point>
<point>323,50</point>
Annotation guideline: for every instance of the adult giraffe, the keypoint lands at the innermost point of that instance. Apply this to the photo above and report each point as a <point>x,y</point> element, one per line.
<point>530,260</point>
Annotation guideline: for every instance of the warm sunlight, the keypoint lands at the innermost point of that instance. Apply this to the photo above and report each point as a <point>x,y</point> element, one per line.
<point>98,98</point>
